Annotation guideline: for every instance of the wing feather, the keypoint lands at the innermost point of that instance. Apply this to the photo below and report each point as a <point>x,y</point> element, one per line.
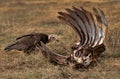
<point>92,25</point>
<point>82,21</point>
<point>68,19</point>
<point>100,21</point>
<point>24,36</point>
<point>85,20</point>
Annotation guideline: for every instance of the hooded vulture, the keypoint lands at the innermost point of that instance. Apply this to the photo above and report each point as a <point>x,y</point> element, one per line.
<point>29,42</point>
<point>91,31</point>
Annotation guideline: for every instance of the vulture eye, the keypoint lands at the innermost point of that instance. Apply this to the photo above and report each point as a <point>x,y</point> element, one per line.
<point>53,38</point>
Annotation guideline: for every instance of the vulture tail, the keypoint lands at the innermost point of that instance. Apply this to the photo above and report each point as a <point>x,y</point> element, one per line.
<point>10,47</point>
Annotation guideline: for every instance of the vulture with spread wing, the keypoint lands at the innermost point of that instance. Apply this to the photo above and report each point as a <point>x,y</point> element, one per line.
<point>29,42</point>
<point>91,31</point>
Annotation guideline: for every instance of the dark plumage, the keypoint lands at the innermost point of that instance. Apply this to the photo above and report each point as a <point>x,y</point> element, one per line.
<point>29,42</point>
<point>90,32</point>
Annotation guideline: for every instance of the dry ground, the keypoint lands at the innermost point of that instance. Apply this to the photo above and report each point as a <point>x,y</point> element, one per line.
<point>19,17</point>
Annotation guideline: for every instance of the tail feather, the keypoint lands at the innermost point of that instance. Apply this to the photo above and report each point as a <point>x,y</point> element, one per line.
<point>10,47</point>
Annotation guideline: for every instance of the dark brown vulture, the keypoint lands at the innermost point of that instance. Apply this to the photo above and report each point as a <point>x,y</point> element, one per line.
<point>29,42</point>
<point>91,31</point>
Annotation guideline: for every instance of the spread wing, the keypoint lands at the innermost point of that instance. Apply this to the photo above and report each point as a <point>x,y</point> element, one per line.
<point>83,23</point>
<point>90,29</point>
<point>57,58</point>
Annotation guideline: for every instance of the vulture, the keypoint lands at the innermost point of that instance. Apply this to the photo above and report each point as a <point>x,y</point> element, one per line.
<point>91,29</point>
<point>29,42</point>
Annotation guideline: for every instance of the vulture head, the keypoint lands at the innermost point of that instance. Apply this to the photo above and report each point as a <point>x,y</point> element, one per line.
<point>53,37</point>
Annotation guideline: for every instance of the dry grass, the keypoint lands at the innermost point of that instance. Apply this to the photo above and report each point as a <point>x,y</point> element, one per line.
<point>22,17</point>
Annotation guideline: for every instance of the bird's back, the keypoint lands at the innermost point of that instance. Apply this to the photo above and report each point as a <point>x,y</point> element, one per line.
<point>41,37</point>
<point>27,42</point>
<point>22,43</point>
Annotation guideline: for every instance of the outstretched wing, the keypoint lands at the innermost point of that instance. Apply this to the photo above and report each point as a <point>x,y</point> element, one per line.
<point>57,58</point>
<point>83,23</point>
